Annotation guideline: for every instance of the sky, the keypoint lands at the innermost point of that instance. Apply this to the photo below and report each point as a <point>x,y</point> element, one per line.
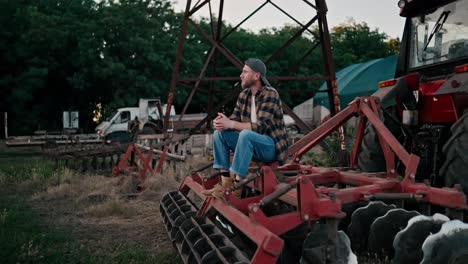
<point>381,14</point>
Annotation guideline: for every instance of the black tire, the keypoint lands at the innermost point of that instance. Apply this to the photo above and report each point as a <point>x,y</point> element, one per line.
<point>456,153</point>
<point>371,157</point>
<point>147,130</point>
<point>118,137</point>
<point>448,246</point>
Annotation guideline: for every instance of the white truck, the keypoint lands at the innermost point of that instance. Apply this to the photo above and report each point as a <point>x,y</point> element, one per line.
<point>145,119</point>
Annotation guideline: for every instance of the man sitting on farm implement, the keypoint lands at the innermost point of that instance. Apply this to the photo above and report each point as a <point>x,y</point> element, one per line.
<point>258,135</point>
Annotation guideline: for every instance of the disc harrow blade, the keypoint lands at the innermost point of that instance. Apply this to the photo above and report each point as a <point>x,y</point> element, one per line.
<point>200,241</point>
<point>319,249</point>
<point>408,242</point>
<point>384,229</point>
<point>197,239</point>
<point>448,246</point>
<point>175,209</point>
<point>361,221</point>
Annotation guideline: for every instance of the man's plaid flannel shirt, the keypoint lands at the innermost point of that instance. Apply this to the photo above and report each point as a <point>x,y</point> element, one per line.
<point>269,117</point>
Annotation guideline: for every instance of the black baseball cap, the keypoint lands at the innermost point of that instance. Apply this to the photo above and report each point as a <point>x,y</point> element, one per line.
<point>258,66</point>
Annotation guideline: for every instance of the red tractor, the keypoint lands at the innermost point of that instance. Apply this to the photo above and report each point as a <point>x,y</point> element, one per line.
<point>401,198</point>
<point>430,117</point>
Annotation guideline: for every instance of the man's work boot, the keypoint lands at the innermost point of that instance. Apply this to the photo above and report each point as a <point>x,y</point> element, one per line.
<point>237,193</point>
<point>220,193</point>
<point>226,182</point>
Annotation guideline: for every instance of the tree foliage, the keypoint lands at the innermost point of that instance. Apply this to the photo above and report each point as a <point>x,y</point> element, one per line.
<point>60,55</point>
<point>356,42</point>
<point>70,55</point>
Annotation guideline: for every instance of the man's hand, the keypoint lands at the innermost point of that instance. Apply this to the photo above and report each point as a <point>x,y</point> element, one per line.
<point>222,122</point>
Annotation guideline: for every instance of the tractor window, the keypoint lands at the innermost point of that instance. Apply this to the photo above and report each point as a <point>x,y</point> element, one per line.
<point>440,36</point>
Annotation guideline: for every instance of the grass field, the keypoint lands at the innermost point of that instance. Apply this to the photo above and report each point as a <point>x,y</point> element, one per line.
<point>56,215</point>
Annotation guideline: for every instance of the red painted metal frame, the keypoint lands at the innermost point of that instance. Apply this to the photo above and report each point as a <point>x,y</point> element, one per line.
<point>367,109</point>
<point>308,189</point>
<point>161,160</point>
<point>311,196</point>
<point>269,245</point>
<point>146,160</point>
<point>314,203</point>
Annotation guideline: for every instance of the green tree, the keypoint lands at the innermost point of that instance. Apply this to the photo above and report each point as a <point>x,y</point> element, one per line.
<point>356,42</point>
<point>64,54</point>
<point>60,55</point>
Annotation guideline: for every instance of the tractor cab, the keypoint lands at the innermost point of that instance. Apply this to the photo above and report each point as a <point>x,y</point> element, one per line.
<point>435,40</point>
<point>432,63</point>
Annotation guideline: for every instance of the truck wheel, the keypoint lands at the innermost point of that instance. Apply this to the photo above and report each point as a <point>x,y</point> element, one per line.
<point>118,137</point>
<point>371,157</point>
<point>147,131</point>
<point>456,150</point>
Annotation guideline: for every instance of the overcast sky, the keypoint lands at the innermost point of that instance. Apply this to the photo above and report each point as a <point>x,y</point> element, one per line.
<point>381,14</point>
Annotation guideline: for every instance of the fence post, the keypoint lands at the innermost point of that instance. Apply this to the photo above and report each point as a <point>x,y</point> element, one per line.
<point>6,124</point>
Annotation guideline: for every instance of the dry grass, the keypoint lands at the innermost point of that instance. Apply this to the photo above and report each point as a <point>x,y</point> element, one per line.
<point>114,207</point>
<point>102,212</point>
<point>158,185</point>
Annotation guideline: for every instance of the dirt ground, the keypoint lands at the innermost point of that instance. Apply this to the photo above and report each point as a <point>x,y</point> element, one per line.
<point>103,213</point>
<point>97,212</point>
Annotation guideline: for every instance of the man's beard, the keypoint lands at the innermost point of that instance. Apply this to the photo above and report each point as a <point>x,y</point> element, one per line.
<point>247,83</point>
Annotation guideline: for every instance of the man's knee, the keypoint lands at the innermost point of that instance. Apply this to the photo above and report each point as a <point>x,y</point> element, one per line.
<point>246,135</point>
<point>220,136</point>
<point>217,134</point>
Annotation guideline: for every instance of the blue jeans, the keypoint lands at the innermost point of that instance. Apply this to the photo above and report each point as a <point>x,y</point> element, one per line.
<point>247,145</point>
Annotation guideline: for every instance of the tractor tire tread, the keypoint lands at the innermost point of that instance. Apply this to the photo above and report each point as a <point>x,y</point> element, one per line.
<point>456,150</point>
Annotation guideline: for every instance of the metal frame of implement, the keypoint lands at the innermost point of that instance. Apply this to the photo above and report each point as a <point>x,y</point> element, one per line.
<point>305,188</point>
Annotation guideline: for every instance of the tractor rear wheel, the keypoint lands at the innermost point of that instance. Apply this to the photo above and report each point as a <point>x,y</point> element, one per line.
<point>371,157</point>
<point>456,150</point>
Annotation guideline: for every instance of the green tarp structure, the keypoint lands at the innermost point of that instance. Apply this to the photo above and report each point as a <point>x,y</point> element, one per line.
<point>359,80</point>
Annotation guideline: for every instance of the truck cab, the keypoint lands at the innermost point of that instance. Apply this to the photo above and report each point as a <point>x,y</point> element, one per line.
<point>115,127</point>
<point>148,116</point>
